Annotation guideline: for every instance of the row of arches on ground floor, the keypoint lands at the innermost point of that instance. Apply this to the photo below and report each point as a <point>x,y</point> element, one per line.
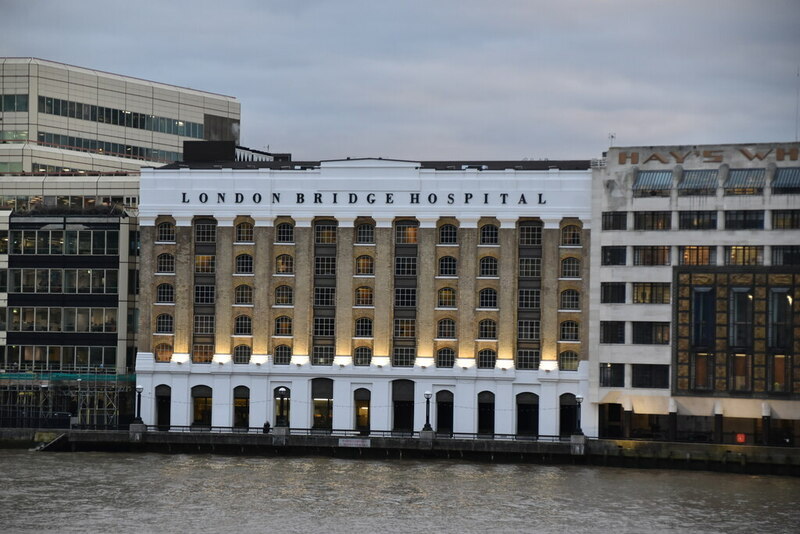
<point>403,399</point>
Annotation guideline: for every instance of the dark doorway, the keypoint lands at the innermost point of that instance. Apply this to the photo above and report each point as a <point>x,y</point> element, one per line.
<point>528,414</point>
<point>282,405</point>
<point>241,407</point>
<point>403,402</point>
<point>444,412</point>
<point>163,404</point>
<point>486,413</point>
<point>568,414</point>
<point>201,406</point>
<point>610,421</point>
<point>322,397</point>
<point>361,398</point>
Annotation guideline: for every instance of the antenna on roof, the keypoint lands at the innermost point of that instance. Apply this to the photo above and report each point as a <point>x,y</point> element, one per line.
<point>611,138</point>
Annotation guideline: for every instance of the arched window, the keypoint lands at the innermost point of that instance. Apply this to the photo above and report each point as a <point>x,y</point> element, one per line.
<point>488,266</point>
<point>445,357</point>
<point>570,300</point>
<point>487,359</point>
<point>164,324</point>
<point>165,293</point>
<point>243,294</point>
<point>284,264</point>
<point>569,331</point>
<point>448,266</point>
<point>447,298</point>
<point>568,361</point>
<point>284,233</point>
<point>165,232</point>
<point>365,234</point>
<point>571,235</point>
<point>364,296</point>
<point>446,329</point>
<point>283,355</point>
<point>448,234</point>
<point>283,326</point>
<point>365,265</point>
<point>244,232</point>
<point>489,234</point>
<point>570,268</point>
<point>165,263</point>
<point>163,352</point>
<point>284,296</point>
<point>362,356</point>
<point>241,354</point>
<point>363,327</point>
<point>487,329</point>
<point>487,298</point>
<point>243,326</point>
<point>244,264</point>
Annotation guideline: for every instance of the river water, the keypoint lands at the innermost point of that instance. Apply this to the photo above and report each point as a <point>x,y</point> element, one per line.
<point>108,492</point>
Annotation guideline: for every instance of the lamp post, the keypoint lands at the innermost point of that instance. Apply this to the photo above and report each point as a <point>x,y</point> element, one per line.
<point>281,414</point>
<point>138,419</point>
<point>427,427</point>
<point>578,431</point>
<point>46,397</point>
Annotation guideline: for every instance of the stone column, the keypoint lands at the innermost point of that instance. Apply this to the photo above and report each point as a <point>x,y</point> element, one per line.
<point>426,291</point>
<point>147,266</point>
<point>507,293</point>
<point>304,284</point>
<point>184,284</point>
<point>344,292</point>
<point>384,285</point>
<point>551,271</point>
<point>224,292</point>
<point>263,234</point>
<point>467,297</point>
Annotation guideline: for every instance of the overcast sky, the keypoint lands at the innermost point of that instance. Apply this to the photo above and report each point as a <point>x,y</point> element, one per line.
<point>463,79</point>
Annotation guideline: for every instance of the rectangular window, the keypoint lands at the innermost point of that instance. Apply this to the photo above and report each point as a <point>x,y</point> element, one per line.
<point>205,233</point>
<point>779,322</point>
<point>527,359</point>
<point>324,326</point>
<point>614,255</point>
<point>530,235</point>
<point>786,255</point>
<point>325,234</point>
<point>740,316</point>
<point>697,255</point>
<point>202,353</point>
<point>650,376</point>
<point>650,333</point>
<point>405,328</point>
<point>744,255</point>
<point>322,355</point>
<point>405,297</point>
<point>697,220</point>
<point>651,292</point>
<point>203,324</point>
<point>652,220</point>
<point>653,255</point>
<point>530,267</point>
<point>741,372</point>
<point>703,322</point>
<point>615,220</point>
<point>612,375</point>
<point>702,371</point>
<point>612,331</point>
<point>744,220</point>
<point>528,330</point>
<point>779,373</point>
<point>405,266</point>
<point>406,233</point>
<point>204,294</point>
<point>324,266</point>
<point>205,264</point>
<point>529,299</point>
<point>612,292</point>
<point>403,356</point>
<point>324,296</point>
<point>785,219</point>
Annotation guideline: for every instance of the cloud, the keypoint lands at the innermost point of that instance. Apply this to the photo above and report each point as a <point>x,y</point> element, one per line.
<point>440,80</point>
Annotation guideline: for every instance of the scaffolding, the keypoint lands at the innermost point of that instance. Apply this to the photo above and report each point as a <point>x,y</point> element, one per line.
<point>52,399</point>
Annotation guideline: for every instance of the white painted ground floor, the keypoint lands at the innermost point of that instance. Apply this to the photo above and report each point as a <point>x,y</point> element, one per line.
<point>500,401</point>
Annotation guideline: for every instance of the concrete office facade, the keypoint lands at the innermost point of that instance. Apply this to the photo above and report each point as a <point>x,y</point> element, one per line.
<point>694,288</point>
<point>358,285</point>
<point>58,118</point>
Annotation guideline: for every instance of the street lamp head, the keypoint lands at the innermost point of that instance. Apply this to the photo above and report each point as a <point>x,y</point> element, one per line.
<point>139,388</point>
<point>282,390</point>
<point>428,395</point>
<point>579,398</point>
